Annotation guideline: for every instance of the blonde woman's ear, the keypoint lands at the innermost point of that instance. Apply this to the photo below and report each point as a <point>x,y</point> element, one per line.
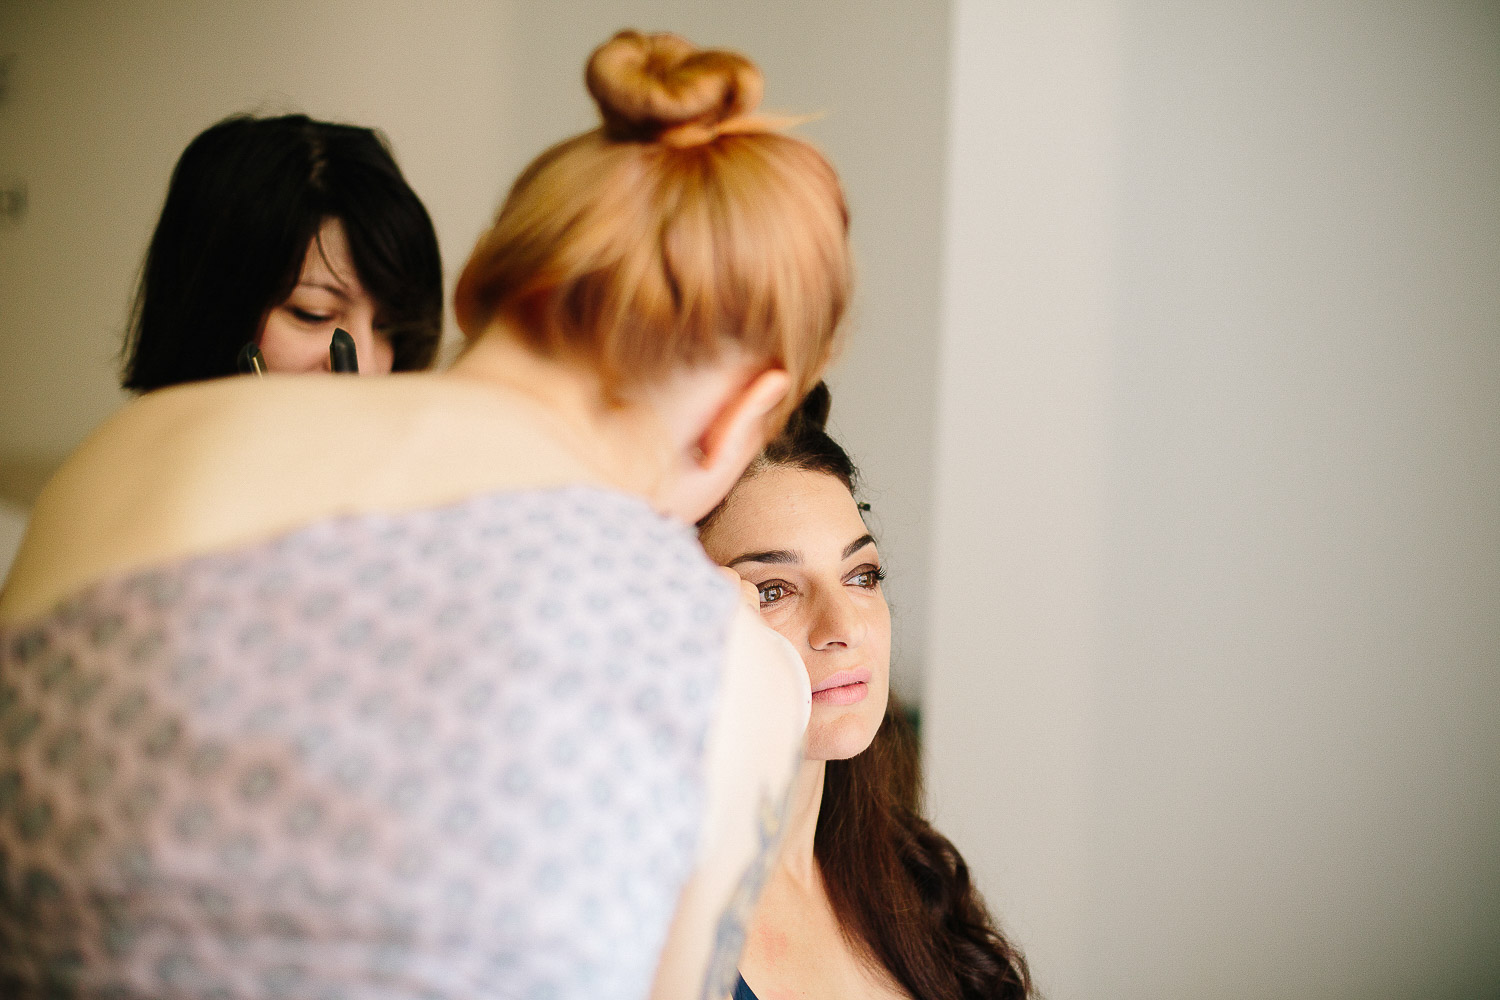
<point>738,431</point>
<point>729,439</point>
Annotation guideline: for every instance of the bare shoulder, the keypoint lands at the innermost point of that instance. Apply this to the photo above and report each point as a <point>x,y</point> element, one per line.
<point>123,494</point>
<point>208,466</point>
<point>753,751</point>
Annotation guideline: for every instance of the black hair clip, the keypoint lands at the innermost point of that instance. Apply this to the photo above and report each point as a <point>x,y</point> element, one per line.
<point>862,506</point>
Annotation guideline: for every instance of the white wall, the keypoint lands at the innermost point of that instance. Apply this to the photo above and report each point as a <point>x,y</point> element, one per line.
<point>1215,641</point>
<point>104,97</point>
<point>1021,446</point>
<point>12,527</point>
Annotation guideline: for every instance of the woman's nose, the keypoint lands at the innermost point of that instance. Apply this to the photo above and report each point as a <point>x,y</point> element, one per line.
<point>836,622</point>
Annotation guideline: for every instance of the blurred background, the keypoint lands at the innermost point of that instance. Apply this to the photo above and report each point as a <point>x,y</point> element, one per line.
<point>1175,380</point>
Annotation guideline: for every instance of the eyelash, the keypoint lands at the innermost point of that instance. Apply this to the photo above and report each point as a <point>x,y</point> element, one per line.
<point>876,573</point>
<point>310,317</point>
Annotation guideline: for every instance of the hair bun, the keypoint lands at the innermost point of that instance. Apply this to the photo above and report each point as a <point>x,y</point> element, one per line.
<point>812,413</point>
<point>648,85</point>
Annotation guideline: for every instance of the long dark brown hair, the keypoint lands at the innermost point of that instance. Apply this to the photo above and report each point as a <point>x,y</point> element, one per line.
<point>901,891</point>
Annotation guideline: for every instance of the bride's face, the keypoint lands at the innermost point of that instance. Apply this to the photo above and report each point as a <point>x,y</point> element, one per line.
<point>799,538</point>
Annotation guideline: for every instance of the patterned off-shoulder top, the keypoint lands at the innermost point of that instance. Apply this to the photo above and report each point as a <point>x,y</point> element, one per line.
<point>447,753</point>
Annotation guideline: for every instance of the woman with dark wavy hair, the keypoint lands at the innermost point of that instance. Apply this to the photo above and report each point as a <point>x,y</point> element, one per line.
<point>867,899</point>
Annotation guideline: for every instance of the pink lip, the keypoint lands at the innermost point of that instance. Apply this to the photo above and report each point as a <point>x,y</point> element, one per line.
<point>843,688</point>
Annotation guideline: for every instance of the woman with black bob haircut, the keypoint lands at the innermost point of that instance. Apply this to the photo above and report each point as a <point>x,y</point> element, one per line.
<point>276,231</point>
<point>866,899</point>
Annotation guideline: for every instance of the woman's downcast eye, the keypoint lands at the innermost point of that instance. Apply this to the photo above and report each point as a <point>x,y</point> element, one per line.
<point>311,317</point>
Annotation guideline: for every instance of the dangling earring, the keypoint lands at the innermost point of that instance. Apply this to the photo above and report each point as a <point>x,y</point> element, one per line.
<point>250,361</point>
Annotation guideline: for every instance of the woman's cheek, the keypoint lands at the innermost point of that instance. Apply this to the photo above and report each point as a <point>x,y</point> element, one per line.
<point>384,358</point>
<point>289,348</point>
<point>780,619</point>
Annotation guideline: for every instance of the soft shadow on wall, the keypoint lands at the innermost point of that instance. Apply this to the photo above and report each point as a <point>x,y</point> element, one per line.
<point>1215,664</point>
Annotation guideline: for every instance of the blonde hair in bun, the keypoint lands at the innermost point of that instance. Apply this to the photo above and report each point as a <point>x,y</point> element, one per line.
<point>653,86</point>
<point>683,225</point>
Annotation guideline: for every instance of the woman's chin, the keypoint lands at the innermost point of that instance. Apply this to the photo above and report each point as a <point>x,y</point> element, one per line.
<point>847,734</point>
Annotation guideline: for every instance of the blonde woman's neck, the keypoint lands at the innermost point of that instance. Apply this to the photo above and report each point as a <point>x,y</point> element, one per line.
<point>629,444</point>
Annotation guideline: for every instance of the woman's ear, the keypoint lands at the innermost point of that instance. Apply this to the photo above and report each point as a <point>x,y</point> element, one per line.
<point>732,436</point>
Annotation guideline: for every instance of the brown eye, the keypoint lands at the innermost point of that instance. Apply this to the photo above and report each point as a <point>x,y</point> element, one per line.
<point>772,592</point>
<point>869,579</point>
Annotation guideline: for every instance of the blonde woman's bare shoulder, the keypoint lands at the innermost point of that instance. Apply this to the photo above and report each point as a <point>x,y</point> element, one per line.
<point>113,500</point>
<point>754,749</point>
<point>214,465</point>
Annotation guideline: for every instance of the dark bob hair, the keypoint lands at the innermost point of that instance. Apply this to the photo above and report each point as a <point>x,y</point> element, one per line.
<point>245,201</point>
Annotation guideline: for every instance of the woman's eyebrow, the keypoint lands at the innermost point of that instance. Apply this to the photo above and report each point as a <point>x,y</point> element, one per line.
<point>857,544</point>
<point>340,292</point>
<point>770,556</point>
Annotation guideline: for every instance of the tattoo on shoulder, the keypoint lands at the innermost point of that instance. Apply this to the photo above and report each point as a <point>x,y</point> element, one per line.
<point>734,922</point>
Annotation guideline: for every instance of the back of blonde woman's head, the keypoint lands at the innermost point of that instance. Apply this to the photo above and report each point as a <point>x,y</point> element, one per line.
<point>681,228</point>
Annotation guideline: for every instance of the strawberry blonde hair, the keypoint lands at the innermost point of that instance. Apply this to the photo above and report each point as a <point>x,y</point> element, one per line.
<point>681,227</point>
